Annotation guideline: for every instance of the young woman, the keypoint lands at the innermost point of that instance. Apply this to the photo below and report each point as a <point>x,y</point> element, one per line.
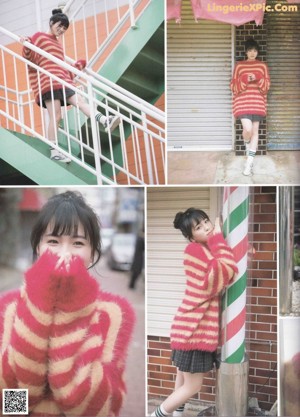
<point>61,337</point>
<point>250,84</point>
<point>50,93</point>
<point>209,267</point>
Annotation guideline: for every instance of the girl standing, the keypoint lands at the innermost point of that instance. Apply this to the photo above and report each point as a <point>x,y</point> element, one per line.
<point>61,337</point>
<point>209,267</point>
<point>250,84</point>
<point>51,94</point>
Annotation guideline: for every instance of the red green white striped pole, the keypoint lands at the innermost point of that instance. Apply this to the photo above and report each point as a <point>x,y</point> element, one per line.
<point>235,228</point>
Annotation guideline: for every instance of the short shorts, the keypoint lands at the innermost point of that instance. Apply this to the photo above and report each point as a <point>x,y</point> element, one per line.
<point>58,95</point>
<point>252,117</point>
<point>194,361</point>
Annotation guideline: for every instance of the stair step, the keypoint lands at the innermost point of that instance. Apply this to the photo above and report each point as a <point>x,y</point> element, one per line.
<point>137,82</point>
<point>151,60</point>
<point>36,164</point>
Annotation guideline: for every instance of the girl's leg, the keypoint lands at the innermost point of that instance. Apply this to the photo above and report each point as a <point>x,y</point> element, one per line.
<point>77,100</point>
<point>178,383</point>
<point>252,149</point>
<point>191,385</point>
<point>54,112</point>
<point>254,137</point>
<point>247,129</point>
<point>109,123</point>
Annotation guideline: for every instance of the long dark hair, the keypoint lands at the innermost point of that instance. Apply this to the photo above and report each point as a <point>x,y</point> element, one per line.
<point>65,212</point>
<point>185,221</point>
<point>59,16</point>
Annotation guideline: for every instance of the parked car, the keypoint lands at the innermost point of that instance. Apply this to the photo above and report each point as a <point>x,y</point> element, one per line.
<point>106,237</point>
<point>121,251</point>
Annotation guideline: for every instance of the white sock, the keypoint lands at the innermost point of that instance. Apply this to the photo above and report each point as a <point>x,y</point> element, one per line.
<point>100,118</point>
<point>159,412</point>
<point>179,411</point>
<point>251,153</point>
<point>247,145</point>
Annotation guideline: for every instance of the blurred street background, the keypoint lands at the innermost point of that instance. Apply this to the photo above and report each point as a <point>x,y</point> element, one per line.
<point>121,213</point>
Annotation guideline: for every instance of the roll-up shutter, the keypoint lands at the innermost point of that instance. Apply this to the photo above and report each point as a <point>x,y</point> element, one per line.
<point>199,68</point>
<point>283,58</point>
<point>165,246</point>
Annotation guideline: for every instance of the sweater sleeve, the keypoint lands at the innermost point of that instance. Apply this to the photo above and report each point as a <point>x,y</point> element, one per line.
<point>29,53</point>
<point>238,82</point>
<point>87,346</point>
<point>213,270</point>
<point>26,328</point>
<point>264,82</point>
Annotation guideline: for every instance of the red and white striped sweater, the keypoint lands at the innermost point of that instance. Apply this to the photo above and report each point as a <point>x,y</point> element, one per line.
<point>250,97</point>
<point>42,83</point>
<point>208,269</point>
<point>66,341</point>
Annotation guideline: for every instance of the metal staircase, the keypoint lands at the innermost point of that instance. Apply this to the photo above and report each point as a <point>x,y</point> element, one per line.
<point>133,154</point>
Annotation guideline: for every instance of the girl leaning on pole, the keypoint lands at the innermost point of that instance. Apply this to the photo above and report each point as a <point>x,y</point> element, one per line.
<point>53,94</point>
<point>209,266</point>
<point>61,336</point>
<point>250,84</point>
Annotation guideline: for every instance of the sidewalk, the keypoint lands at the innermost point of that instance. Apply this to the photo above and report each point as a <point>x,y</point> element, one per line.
<point>192,409</point>
<point>277,167</point>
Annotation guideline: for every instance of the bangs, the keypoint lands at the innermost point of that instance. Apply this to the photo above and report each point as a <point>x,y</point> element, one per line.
<point>66,220</point>
<point>198,216</point>
<point>64,214</point>
<point>64,22</point>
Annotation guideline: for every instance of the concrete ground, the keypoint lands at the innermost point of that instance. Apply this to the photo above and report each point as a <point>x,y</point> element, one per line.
<point>202,167</point>
<point>192,409</point>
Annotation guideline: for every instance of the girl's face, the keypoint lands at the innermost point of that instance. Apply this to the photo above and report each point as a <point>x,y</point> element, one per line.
<point>251,54</point>
<point>202,231</point>
<point>57,29</point>
<point>66,246</point>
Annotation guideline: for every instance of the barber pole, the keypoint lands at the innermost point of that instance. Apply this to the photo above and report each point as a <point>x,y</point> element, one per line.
<point>235,228</point>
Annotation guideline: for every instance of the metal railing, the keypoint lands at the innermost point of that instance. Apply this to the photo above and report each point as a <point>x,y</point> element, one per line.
<point>94,24</point>
<point>133,154</point>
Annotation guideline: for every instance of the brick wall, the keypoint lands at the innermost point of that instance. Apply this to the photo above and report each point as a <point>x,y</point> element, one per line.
<point>250,30</point>
<point>262,299</point>
<point>261,337</point>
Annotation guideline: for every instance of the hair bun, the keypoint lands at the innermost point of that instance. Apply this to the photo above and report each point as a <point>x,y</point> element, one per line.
<point>56,11</point>
<point>178,220</point>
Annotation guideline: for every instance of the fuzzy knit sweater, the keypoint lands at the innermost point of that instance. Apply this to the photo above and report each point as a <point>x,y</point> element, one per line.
<point>41,83</point>
<point>208,268</point>
<point>250,97</point>
<point>66,341</point>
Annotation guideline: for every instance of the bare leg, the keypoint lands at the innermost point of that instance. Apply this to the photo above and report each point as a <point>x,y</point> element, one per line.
<point>178,383</point>
<point>54,111</point>
<point>191,385</point>
<point>252,147</point>
<point>179,379</point>
<point>254,137</point>
<point>247,129</point>
<point>109,123</point>
<point>77,100</point>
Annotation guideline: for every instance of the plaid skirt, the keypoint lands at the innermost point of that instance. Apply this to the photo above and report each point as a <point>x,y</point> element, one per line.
<point>57,95</point>
<point>194,361</point>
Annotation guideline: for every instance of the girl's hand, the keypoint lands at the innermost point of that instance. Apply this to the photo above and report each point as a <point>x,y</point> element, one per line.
<point>251,77</point>
<point>24,38</point>
<point>217,226</point>
<point>80,64</point>
<point>65,259</point>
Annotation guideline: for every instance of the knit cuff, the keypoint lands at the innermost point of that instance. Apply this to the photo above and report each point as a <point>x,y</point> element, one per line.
<point>77,288</point>
<point>80,64</point>
<point>214,241</point>
<point>40,282</point>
